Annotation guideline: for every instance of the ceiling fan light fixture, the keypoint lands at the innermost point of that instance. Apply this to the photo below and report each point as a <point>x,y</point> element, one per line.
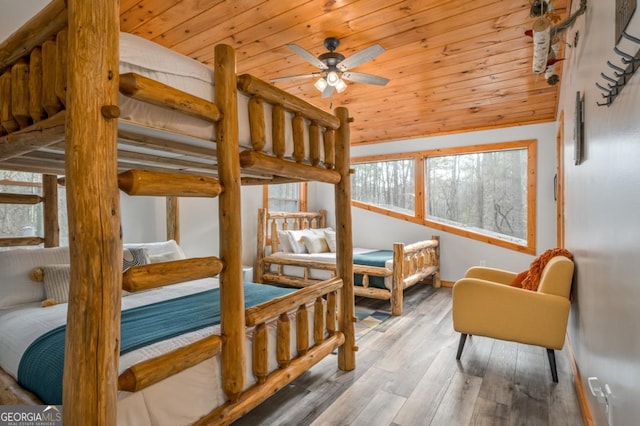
<point>332,78</point>
<point>341,85</point>
<point>321,84</point>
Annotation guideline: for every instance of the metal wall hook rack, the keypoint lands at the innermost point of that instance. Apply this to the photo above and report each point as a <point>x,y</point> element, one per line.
<point>621,75</point>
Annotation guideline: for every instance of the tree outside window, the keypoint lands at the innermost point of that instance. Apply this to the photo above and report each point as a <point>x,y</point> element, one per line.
<point>485,192</point>
<point>25,220</point>
<point>286,197</point>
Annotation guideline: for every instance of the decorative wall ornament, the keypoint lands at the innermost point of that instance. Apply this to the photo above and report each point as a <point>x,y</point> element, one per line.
<point>546,32</point>
<point>619,75</point>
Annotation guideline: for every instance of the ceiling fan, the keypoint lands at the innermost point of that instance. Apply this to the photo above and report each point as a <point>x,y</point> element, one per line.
<point>335,67</point>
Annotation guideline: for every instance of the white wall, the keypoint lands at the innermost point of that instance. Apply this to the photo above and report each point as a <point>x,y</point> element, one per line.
<point>602,205</point>
<point>144,220</point>
<point>457,253</point>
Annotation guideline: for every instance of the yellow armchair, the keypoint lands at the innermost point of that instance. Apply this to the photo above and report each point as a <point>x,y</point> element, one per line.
<point>484,304</point>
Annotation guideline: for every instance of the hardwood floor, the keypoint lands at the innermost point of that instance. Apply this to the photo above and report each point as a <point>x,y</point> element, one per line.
<point>407,375</point>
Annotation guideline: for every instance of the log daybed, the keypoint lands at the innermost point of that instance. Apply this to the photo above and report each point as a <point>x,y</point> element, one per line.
<point>59,113</point>
<point>377,273</point>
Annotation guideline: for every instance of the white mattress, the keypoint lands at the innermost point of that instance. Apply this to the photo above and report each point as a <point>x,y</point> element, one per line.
<point>180,399</point>
<point>151,60</point>
<point>320,274</point>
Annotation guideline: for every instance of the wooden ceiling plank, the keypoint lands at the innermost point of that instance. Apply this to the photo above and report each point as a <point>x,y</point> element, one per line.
<point>180,12</point>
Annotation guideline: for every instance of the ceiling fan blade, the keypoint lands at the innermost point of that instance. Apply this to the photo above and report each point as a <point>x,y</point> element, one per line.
<point>360,77</point>
<point>360,57</point>
<point>327,92</point>
<point>307,56</point>
<point>296,77</point>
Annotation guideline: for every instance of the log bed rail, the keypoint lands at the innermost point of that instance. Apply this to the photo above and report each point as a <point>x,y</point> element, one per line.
<point>419,260</point>
<point>56,96</point>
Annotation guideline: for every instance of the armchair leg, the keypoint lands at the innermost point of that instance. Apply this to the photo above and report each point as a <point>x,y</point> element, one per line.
<point>463,338</point>
<point>552,364</point>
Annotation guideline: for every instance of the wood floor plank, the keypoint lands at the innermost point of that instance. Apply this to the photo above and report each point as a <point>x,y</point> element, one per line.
<point>348,407</point>
<point>422,404</point>
<point>497,385</point>
<point>380,411</point>
<point>489,413</point>
<point>457,405</point>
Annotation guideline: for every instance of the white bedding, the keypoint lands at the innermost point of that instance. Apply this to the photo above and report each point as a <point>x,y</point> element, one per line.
<point>181,72</point>
<point>180,399</point>
<point>321,274</point>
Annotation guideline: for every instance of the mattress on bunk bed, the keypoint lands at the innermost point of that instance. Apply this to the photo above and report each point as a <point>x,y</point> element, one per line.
<point>180,399</point>
<point>144,57</point>
<point>361,256</point>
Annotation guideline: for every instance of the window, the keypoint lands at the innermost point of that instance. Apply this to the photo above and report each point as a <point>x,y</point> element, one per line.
<point>286,197</point>
<point>485,192</point>
<point>386,184</point>
<point>26,220</point>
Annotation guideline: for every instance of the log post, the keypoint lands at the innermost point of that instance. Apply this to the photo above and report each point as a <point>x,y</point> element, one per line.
<point>20,93</point>
<point>260,356</point>
<point>50,100</point>
<point>318,321</point>
<point>302,330</point>
<point>173,219</point>
<point>256,123</point>
<point>329,148</point>
<point>6,116</point>
<point>232,320</point>
<point>51,226</point>
<point>62,45</point>
<point>283,341</point>
<point>397,279</point>
<point>314,144</point>
<point>332,312</point>
<point>297,124</point>
<point>344,252</point>
<point>277,131</point>
<point>436,263</point>
<point>262,243</point>
<point>36,109</point>
<point>92,343</point>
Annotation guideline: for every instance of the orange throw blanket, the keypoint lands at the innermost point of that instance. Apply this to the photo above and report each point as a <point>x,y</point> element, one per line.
<point>530,278</point>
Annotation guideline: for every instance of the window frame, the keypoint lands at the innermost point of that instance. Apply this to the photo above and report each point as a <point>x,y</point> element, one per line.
<point>420,218</point>
<point>302,196</point>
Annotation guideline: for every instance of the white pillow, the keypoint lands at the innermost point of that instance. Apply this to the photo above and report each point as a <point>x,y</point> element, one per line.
<point>170,250</point>
<point>15,266</point>
<point>330,237</point>
<point>295,238</point>
<point>315,244</point>
<point>285,243</point>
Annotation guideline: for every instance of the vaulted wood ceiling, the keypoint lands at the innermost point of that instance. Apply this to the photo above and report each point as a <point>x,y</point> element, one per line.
<point>454,65</point>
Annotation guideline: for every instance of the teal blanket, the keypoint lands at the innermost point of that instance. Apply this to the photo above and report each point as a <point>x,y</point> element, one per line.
<point>372,258</point>
<point>40,369</point>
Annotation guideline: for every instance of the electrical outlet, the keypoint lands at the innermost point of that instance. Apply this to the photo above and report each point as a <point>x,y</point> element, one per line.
<point>483,262</point>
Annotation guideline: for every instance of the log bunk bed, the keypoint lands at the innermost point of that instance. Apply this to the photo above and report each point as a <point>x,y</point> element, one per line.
<point>60,109</point>
<point>384,277</point>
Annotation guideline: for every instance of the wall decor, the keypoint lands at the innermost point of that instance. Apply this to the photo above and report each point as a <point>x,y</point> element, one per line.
<point>578,136</point>
<point>546,32</point>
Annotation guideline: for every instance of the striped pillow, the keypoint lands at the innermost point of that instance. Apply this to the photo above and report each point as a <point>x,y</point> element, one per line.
<point>56,282</point>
